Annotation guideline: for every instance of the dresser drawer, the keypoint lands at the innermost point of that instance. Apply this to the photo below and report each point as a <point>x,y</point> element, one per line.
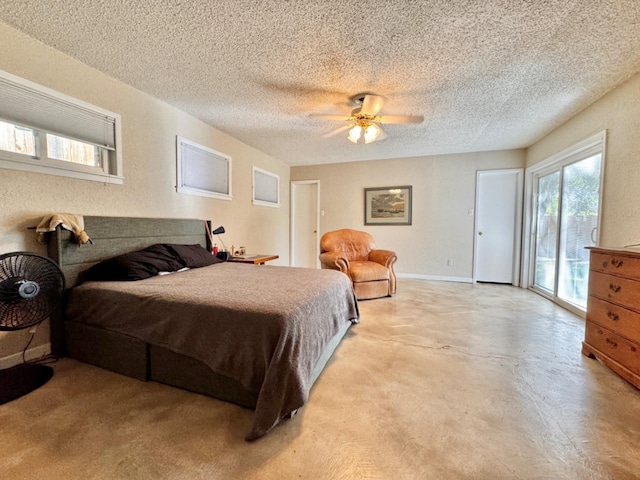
<point>615,318</point>
<point>615,264</point>
<point>614,346</point>
<point>622,291</point>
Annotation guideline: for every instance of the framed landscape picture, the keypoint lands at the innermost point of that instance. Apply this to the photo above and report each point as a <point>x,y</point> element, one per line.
<point>387,206</point>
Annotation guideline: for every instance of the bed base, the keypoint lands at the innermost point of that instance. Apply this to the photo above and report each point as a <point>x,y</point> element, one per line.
<point>134,358</point>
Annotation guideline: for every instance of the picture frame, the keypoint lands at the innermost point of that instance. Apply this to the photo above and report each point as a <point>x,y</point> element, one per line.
<point>388,205</point>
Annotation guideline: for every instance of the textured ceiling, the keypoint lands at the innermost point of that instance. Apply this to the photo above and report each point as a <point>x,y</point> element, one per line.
<point>486,75</point>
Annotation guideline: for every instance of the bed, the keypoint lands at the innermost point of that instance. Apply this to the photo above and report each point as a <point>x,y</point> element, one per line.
<point>257,336</point>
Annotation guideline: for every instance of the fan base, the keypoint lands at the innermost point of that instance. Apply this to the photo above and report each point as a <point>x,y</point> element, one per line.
<point>17,381</point>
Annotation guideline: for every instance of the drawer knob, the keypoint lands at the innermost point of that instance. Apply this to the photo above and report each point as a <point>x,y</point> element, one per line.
<point>616,263</point>
<point>613,316</point>
<point>614,288</point>
<point>612,343</point>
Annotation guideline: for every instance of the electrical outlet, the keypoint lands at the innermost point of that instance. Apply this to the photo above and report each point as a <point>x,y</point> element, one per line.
<point>449,262</point>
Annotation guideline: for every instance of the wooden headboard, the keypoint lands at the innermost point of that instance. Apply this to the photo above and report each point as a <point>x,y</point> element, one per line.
<point>113,236</point>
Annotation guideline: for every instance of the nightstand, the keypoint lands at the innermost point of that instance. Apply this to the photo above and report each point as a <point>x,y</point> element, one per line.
<point>255,259</point>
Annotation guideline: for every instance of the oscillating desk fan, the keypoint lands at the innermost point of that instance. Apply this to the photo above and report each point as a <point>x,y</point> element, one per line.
<point>31,287</point>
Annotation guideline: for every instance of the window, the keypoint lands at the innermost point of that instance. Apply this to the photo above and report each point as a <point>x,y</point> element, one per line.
<point>202,171</point>
<point>17,139</point>
<point>67,150</point>
<point>266,188</point>
<point>45,131</point>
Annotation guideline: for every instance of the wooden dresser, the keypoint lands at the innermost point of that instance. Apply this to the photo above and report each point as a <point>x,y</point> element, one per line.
<point>613,311</point>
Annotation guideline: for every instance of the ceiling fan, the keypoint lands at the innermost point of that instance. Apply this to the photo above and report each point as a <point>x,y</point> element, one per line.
<point>364,122</point>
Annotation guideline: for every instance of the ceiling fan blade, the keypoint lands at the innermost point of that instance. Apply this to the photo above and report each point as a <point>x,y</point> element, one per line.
<point>401,119</point>
<point>342,118</point>
<point>338,130</point>
<point>372,104</point>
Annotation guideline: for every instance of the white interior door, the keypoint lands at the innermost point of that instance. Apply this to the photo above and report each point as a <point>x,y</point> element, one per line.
<point>498,226</point>
<point>305,241</point>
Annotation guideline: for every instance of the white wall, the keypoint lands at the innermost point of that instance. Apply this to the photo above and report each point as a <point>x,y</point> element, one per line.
<point>149,129</point>
<point>443,193</point>
<point>619,113</point>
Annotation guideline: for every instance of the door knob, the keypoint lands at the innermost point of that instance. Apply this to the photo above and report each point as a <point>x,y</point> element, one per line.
<point>480,233</point>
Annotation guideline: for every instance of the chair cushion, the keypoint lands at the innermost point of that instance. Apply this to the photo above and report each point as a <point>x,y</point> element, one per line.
<point>368,272</point>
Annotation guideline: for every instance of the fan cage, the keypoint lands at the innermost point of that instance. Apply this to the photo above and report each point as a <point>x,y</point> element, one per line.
<point>31,286</point>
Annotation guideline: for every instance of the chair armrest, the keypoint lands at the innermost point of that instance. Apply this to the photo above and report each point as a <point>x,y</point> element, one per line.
<point>335,261</point>
<point>383,257</point>
<point>386,258</point>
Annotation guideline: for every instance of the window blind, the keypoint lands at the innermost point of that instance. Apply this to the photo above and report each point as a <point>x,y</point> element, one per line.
<point>202,171</point>
<point>265,187</point>
<point>27,106</point>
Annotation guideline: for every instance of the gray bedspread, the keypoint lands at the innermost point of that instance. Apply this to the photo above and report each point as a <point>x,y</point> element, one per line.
<point>264,326</point>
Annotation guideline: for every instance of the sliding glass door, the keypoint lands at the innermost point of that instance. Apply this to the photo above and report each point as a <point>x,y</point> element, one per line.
<point>546,245</point>
<point>566,221</point>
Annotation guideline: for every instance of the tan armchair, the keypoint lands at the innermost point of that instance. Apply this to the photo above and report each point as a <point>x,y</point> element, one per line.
<point>354,253</point>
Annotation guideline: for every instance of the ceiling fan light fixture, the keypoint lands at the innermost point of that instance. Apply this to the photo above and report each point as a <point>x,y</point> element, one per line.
<point>364,123</point>
<point>371,133</point>
<point>355,133</point>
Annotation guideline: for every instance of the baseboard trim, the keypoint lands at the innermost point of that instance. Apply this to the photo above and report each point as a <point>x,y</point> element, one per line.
<point>31,354</point>
<point>435,277</point>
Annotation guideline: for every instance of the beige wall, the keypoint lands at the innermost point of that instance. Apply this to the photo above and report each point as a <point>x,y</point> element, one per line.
<point>619,113</point>
<point>149,129</point>
<point>443,186</point>
<point>443,193</point>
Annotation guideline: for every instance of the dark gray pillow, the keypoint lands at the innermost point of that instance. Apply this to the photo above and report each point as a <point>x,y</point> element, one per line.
<point>193,256</point>
<point>136,265</point>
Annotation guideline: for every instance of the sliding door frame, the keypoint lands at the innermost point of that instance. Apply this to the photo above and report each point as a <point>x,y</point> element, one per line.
<point>590,146</point>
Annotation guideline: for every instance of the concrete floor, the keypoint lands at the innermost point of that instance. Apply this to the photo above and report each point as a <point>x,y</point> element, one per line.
<point>443,381</point>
